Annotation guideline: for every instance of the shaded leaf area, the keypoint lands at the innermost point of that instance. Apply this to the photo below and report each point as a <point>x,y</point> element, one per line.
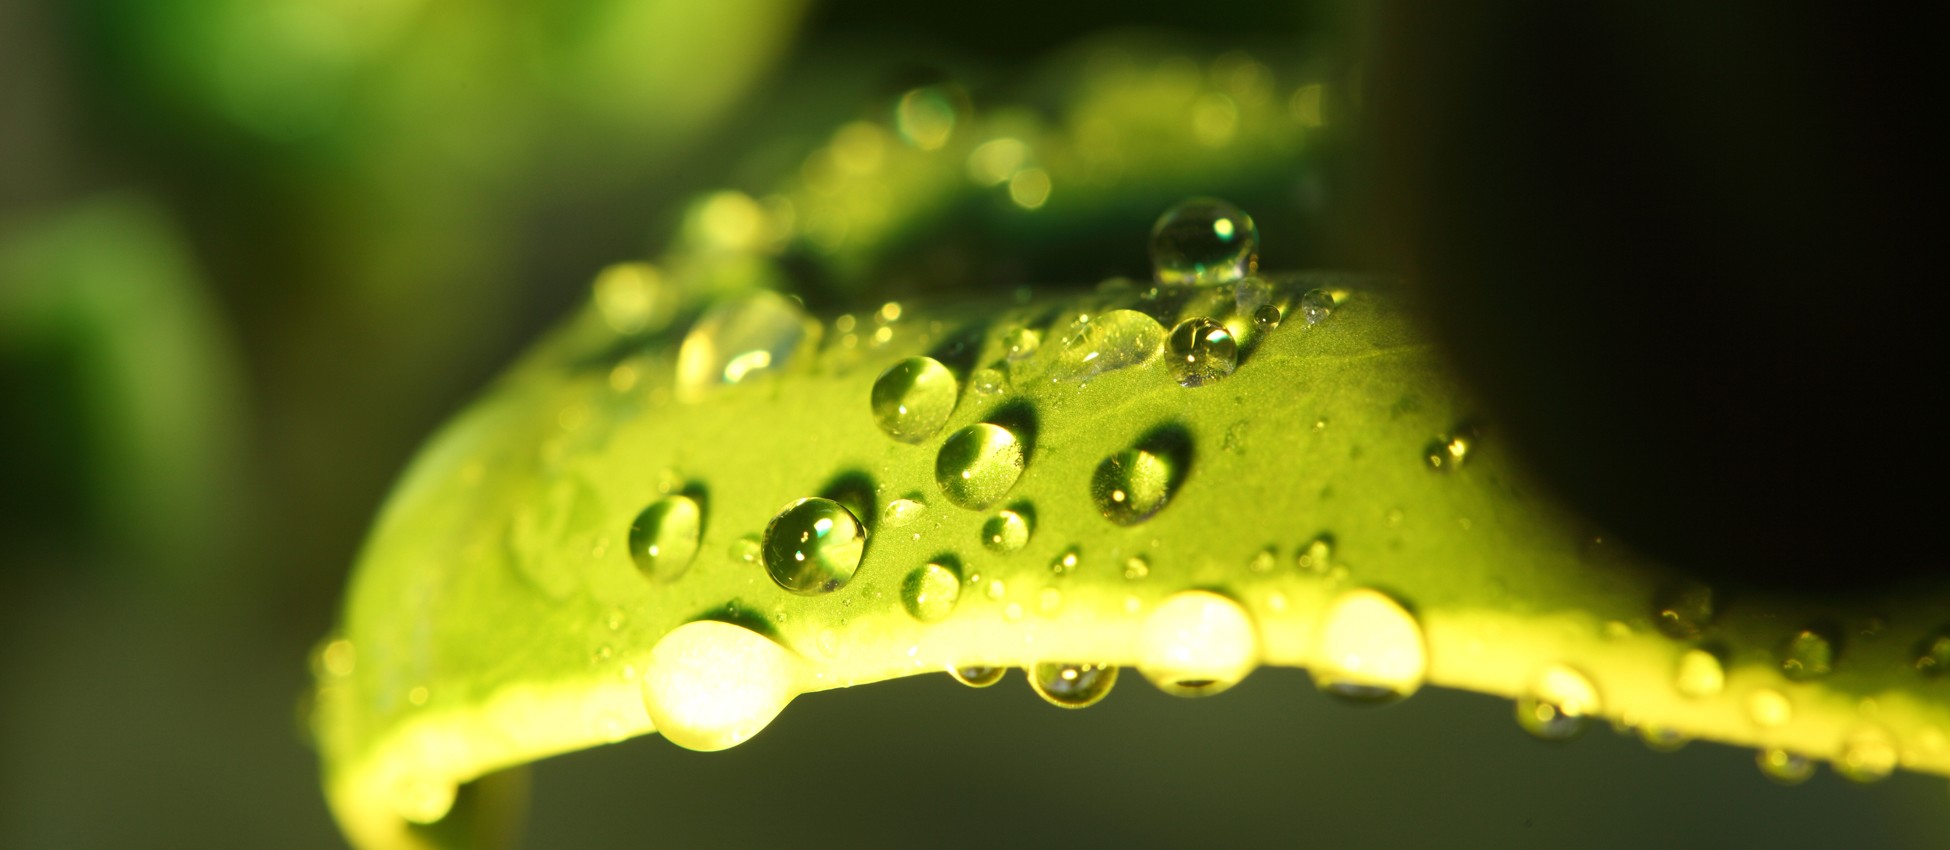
<point>1335,493</point>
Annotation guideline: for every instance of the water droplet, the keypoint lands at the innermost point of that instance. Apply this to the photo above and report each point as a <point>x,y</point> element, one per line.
<point>632,297</point>
<point>978,465</point>
<point>1316,305</point>
<point>711,685</point>
<point>1933,654</point>
<point>996,589</point>
<point>1370,649</point>
<point>930,592</point>
<point>1684,610</point>
<point>1560,705</point>
<point>1784,767</point>
<point>754,333</point>
<point>977,677</point>
<point>1066,563</point>
<point>1663,739</point>
<point>745,549</point>
<point>813,546</point>
<point>1072,685</point>
<point>1868,755</point>
<point>989,381</point>
<point>1317,556</point>
<point>1264,561</point>
<point>1204,241</point>
<point>913,399</point>
<point>1768,708</point>
<point>1197,643</point>
<point>1136,568</point>
<point>663,539</point>
<point>1006,532</point>
<point>901,512</point>
<point>1132,485</point>
<point>1202,351</point>
<point>1447,453</point>
<point>1266,317</point>
<point>1107,342</point>
<point>1807,654</point>
<point>1700,674</point>
<point>1021,343</point>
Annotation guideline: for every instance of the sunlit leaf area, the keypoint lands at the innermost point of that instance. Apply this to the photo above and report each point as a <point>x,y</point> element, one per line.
<point>757,423</point>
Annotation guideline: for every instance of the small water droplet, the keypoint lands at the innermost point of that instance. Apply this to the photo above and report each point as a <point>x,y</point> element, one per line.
<point>930,592</point>
<point>913,399</point>
<point>1316,305</point>
<point>1006,532</point>
<point>664,537</point>
<point>1807,654</point>
<point>1685,609</point>
<point>1132,485</point>
<point>1868,755</point>
<point>1559,706</point>
<point>1049,601</point>
<point>1197,643</point>
<point>1264,561</point>
<point>1700,674</point>
<point>1317,556</point>
<point>615,619</point>
<point>711,685</point>
<point>977,677</point>
<point>601,654</point>
<point>996,589</point>
<point>745,549</point>
<point>1203,241</point>
<point>1266,317</point>
<point>813,546</point>
<point>1663,739</point>
<point>1448,452</point>
<point>1072,685</point>
<point>1107,342</point>
<point>1784,767</point>
<point>1136,568</point>
<point>754,333</point>
<point>632,298</point>
<point>1370,649</point>
<point>978,465</point>
<point>1933,654</point>
<point>1066,563</point>
<point>1768,708</point>
<point>901,512</point>
<point>1021,344</point>
<point>1201,351</point>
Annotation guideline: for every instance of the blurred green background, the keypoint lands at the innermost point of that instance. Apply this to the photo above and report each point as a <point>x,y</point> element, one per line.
<point>252,253</point>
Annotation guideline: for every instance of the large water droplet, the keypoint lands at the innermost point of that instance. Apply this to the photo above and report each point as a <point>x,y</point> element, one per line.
<point>1700,674</point>
<point>1132,485</point>
<point>1559,706</point>
<point>1107,342</point>
<point>913,399</point>
<point>1784,767</point>
<point>712,685</point>
<point>1316,305</point>
<point>1685,609</point>
<point>976,676</point>
<point>1201,351</point>
<point>930,592</point>
<point>978,465</point>
<point>1197,643</point>
<point>813,546</point>
<point>1006,532</point>
<point>1807,654</point>
<point>1072,685</point>
<point>1204,241</point>
<point>663,539</point>
<point>1370,649</point>
<point>754,333</point>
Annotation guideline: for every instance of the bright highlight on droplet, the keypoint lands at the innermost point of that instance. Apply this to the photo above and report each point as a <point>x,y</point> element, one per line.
<point>1197,643</point>
<point>1370,649</point>
<point>1203,241</point>
<point>711,685</point>
<point>1067,685</point>
<point>754,333</point>
<point>1114,340</point>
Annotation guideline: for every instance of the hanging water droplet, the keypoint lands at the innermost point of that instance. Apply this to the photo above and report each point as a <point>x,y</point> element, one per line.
<point>1136,568</point>
<point>1316,305</point>
<point>1663,739</point>
<point>1933,654</point>
<point>1202,351</point>
<point>1317,556</point>
<point>1132,485</point>
<point>901,512</point>
<point>711,685</point>
<point>1197,643</point>
<point>1700,674</point>
<point>978,465</point>
<point>1685,609</point>
<point>1807,654</point>
<point>755,333</point>
<point>930,592</point>
<point>813,546</point>
<point>1006,532</point>
<point>1784,767</point>
<point>1448,452</point>
<point>1072,685</point>
<point>1868,755</point>
<point>663,539</point>
<point>977,677</point>
<point>913,399</point>
<point>1768,708</point>
<point>1559,706</point>
<point>1370,649</point>
<point>1107,342</point>
<point>1203,241</point>
<point>1021,344</point>
<point>1066,563</point>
